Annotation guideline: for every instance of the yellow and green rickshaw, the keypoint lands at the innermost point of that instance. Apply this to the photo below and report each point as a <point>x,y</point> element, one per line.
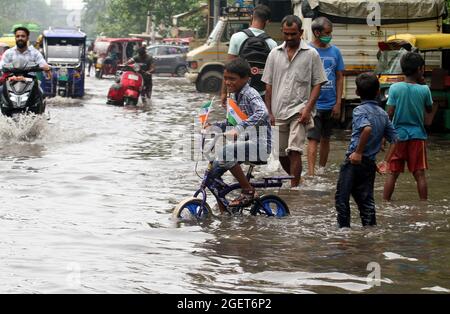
<point>435,48</point>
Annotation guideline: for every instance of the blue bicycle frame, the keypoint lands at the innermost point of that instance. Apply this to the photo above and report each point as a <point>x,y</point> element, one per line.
<point>220,189</point>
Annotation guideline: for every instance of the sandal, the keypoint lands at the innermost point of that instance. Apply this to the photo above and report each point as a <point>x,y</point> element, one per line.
<point>245,199</point>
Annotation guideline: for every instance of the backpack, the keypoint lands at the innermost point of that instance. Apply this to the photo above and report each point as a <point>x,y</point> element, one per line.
<point>256,51</point>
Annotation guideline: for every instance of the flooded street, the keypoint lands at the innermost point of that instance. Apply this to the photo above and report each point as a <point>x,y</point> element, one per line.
<point>86,202</point>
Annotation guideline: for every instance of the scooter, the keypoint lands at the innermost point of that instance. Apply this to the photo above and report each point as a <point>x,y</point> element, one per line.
<point>128,87</point>
<point>104,66</point>
<point>21,95</point>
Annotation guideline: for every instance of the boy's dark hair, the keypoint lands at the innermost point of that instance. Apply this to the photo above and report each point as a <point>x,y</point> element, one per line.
<point>368,86</point>
<point>319,24</point>
<point>292,19</point>
<point>239,66</point>
<point>24,29</point>
<point>262,13</point>
<point>411,62</point>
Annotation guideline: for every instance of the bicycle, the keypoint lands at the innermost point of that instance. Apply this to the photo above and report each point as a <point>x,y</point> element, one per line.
<point>268,205</point>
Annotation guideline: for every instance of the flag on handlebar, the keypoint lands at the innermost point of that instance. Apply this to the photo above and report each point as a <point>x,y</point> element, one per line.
<point>204,112</point>
<point>234,114</point>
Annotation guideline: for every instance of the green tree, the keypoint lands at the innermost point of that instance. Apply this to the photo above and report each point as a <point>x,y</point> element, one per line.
<point>447,21</point>
<point>92,10</point>
<point>117,18</point>
<point>25,11</point>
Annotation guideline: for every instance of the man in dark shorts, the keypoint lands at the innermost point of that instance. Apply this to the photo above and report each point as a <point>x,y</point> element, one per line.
<point>329,103</point>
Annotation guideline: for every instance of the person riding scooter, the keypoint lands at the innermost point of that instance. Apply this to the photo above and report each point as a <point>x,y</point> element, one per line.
<point>21,93</point>
<point>147,70</point>
<point>23,54</point>
<point>128,87</point>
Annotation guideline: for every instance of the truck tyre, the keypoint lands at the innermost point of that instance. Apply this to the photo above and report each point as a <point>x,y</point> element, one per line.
<point>210,82</point>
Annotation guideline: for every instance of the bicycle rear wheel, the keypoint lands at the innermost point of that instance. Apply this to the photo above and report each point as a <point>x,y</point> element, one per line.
<point>270,205</point>
<point>192,209</point>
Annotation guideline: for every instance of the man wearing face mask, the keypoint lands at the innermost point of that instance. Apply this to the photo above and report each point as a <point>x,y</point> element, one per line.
<point>23,51</point>
<point>330,100</point>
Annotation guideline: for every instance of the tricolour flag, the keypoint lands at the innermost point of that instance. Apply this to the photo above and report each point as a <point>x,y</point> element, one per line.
<point>204,112</point>
<point>234,114</point>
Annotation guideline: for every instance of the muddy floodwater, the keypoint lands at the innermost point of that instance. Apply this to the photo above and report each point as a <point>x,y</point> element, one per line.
<point>86,200</point>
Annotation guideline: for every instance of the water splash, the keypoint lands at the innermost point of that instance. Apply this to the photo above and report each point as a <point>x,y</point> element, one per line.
<point>59,101</point>
<point>22,128</point>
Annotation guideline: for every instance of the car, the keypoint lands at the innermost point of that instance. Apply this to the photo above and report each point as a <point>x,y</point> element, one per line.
<point>169,59</point>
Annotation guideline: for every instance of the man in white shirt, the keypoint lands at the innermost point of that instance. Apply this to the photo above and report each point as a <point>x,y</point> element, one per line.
<point>22,51</point>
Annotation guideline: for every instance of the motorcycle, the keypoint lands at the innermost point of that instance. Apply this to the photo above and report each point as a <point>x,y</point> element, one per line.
<point>129,86</point>
<point>21,91</point>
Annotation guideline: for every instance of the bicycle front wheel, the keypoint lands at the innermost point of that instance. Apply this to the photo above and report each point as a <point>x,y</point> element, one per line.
<point>192,208</point>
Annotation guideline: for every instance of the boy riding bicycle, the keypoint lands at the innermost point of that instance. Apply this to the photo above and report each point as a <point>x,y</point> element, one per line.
<point>248,127</point>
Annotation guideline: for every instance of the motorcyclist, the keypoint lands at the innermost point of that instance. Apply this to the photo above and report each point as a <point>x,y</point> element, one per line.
<point>22,51</point>
<point>149,68</point>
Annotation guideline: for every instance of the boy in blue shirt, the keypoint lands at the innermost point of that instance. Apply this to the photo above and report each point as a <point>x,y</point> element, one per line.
<point>407,104</point>
<point>329,103</point>
<point>357,177</point>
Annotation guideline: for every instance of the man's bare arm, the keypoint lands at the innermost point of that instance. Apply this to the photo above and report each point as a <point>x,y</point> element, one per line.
<point>339,93</point>
<point>268,100</point>
<point>306,114</point>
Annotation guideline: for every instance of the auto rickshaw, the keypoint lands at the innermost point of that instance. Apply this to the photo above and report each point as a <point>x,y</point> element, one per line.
<point>10,40</point>
<point>3,48</point>
<point>435,48</point>
<point>112,52</point>
<point>65,51</point>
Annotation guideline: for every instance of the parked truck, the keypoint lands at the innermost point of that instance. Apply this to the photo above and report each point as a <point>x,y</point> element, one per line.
<point>360,25</point>
<point>205,63</point>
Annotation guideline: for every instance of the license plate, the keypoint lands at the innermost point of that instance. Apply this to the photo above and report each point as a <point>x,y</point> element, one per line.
<point>133,77</point>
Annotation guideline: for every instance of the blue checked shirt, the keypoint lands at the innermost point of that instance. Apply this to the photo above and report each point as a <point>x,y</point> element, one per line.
<point>251,103</point>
